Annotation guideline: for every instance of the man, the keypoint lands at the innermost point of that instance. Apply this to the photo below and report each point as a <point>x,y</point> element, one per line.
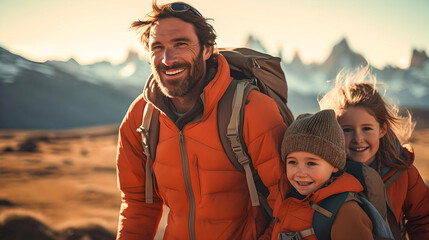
<point>208,198</point>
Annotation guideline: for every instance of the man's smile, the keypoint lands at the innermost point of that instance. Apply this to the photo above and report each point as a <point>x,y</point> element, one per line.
<point>174,71</point>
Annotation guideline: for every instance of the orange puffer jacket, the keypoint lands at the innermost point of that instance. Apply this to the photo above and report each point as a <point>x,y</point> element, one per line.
<point>208,198</point>
<point>409,196</point>
<point>292,214</point>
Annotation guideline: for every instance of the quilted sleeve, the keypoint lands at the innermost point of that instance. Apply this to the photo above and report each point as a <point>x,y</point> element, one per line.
<point>416,206</point>
<point>137,219</point>
<point>263,132</point>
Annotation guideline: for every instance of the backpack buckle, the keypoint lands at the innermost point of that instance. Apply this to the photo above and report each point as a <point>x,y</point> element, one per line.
<point>233,138</point>
<point>289,236</point>
<point>237,148</point>
<point>255,81</point>
<point>145,144</point>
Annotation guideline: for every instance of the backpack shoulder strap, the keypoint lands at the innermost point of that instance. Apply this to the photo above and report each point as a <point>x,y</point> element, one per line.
<point>393,178</point>
<point>375,192</point>
<point>230,123</point>
<point>322,222</point>
<point>398,230</point>
<point>230,126</point>
<point>372,183</point>
<point>379,226</point>
<point>324,216</point>
<point>149,127</point>
<point>239,159</point>
<point>224,116</point>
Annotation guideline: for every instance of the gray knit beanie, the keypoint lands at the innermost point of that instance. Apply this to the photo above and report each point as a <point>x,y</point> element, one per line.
<point>319,134</point>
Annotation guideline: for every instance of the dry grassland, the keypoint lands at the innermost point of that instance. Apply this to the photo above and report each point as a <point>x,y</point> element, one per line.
<point>66,179</point>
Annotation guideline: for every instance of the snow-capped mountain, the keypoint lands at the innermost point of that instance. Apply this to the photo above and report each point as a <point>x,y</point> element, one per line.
<point>56,96</point>
<point>406,87</point>
<point>130,73</point>
<point>65,94</point>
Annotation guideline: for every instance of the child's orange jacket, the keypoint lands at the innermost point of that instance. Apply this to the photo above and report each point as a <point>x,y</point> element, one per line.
<point>351,221</point>
<point>409,196</point>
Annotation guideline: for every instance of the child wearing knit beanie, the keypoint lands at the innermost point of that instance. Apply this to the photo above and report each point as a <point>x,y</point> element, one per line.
<point>314,154</point>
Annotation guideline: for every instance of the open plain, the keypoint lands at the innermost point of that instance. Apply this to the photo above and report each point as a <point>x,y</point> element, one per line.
<point>63,183</point>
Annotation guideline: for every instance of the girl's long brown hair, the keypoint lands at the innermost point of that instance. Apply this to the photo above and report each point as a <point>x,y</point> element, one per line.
<point>359,89</point>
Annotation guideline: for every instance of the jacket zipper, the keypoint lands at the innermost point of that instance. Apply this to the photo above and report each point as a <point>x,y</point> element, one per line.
<point>186,174</point>
<point>188,186</point>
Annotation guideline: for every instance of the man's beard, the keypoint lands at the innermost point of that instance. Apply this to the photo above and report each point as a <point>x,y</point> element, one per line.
<point>181,87</point>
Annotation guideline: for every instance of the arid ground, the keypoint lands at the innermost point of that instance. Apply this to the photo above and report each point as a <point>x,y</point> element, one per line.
<point>64,182</point>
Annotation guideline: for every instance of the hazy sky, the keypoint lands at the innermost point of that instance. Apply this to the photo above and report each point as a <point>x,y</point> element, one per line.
<point>384,31</point>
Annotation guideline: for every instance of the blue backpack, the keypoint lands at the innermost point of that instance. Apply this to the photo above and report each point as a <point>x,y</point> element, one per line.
<point>373,200</point>
<point>326,211</point>
<point>322,224</point>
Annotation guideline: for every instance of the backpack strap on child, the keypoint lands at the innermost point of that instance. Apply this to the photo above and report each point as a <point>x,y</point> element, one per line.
<point>324,216</point>
<point>393,178</point>
<point>375,192</point>
<point>398,230</point>
<point>374,189</point>
<point>322,224</point>
<point>380,228</point>
<point>295,235</point>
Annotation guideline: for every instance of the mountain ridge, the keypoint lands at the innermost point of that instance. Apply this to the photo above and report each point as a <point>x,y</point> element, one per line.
<point>66,94</point>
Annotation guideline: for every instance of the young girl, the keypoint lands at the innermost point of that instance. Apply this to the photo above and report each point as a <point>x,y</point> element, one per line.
<point>313,149</point>
<point>373,130</point>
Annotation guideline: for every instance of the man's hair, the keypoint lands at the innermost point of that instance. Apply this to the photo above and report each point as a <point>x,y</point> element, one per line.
<point>204,31</point>
<point>352,90</point>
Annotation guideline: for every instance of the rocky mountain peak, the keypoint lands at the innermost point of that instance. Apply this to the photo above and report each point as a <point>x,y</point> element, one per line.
<point>342,57</point>
<point>132,56</point>
<point>342,46</point>
<point>254,43</point>
<point>72,61</point>
<point>296,60</point>
<point>418,58</point>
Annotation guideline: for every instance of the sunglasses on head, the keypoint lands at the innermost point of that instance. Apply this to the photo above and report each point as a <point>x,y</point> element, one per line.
<point>183,7</point>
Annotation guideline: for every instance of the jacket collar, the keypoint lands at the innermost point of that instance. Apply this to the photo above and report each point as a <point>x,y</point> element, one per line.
<point>344,183</point>
<point>406,154</point>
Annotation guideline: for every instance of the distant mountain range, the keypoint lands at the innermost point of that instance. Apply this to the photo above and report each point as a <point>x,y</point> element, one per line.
<point>406,87</point>
<point>58,95</point>
<point>66,94</point>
